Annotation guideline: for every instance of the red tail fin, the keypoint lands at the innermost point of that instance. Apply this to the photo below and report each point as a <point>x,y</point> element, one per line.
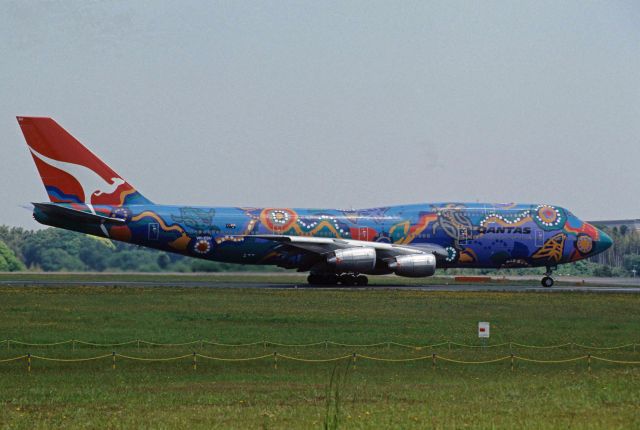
<point>70,172</point>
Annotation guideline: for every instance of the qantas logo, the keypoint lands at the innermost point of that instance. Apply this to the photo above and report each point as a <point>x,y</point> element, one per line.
<point>90,182</point>
<point>514,230</point>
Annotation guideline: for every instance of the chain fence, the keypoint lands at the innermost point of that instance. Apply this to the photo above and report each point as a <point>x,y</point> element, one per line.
<point>275,356</point>
<point>325,343</point>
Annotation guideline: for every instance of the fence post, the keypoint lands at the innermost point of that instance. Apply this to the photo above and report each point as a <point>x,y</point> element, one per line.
<point>29,362</point>
<point>275,360</point>
<point>138,344</point>
<point>589,362</point>
<point>512,362</point>
<point>73,344</point>
<point>433,361</point>
<point>326,345</point>
<point>195,361</point>
<point>113,360</point>
<point>353,360</point>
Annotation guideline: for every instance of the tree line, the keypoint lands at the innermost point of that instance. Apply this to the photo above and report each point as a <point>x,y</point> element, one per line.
<point>53,250</point>
<point>623,258</point>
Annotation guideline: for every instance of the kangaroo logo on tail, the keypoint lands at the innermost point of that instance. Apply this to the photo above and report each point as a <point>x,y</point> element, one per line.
<point>82,177</point>
<point>90,182</point>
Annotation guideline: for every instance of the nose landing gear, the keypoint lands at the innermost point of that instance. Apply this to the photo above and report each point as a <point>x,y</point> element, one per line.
<point>547,281</point>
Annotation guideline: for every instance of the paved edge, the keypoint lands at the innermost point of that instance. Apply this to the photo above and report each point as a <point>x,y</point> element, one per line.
<point>426,288</point>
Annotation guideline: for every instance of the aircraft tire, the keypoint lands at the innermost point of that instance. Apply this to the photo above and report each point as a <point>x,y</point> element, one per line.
<point>347,280</point>
<point>547,282</point>
<point>330,279</point>
<point>362,281</point>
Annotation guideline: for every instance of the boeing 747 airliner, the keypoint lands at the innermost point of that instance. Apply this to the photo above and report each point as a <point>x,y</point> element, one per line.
<point>335,246</point>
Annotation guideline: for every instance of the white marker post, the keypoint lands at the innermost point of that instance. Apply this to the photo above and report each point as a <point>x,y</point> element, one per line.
<point>483,332</point>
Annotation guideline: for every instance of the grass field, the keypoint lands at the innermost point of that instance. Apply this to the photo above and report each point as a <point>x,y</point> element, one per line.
<point>297,394</point>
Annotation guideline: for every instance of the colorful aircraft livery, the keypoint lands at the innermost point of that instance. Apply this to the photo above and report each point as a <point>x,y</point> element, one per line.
<point>335,246</point>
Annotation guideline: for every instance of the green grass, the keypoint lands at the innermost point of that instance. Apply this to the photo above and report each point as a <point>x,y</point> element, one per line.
<point>374,395</point>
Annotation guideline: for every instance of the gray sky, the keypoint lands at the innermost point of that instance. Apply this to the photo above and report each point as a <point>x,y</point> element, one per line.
<point>332,104</point>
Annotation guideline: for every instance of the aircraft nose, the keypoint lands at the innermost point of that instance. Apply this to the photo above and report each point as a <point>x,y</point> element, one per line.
<point>592,240</point>
<point>604,241</point>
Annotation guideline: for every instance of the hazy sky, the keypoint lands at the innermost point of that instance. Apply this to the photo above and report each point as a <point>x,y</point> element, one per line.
<point>332,104</point>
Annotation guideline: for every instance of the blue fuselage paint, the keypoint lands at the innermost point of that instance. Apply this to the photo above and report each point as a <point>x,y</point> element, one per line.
<point>477,235</point>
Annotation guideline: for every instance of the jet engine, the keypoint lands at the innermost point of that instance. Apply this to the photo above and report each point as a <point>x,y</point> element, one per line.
<point>414,266</point>
<point>359,260</point>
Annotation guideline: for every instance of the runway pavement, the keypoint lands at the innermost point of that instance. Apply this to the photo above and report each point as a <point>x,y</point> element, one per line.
<point>526,289</point>
<point>506,287</point>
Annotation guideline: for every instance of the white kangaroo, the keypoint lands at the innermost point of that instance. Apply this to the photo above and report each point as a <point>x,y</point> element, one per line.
<point>90,181</point>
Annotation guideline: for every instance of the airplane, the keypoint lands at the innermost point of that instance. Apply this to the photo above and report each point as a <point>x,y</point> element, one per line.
<point>336,246</point>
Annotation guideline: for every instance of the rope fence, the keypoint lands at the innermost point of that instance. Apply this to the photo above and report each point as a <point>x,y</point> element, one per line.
<point>434,358</point>
<point>325,343</point>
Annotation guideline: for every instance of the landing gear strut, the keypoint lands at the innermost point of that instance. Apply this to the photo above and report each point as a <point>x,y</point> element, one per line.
<point>547,281</point>
<point>346,279</point>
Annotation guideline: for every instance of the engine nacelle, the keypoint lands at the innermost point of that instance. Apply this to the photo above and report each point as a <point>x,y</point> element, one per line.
<point>360,260</point>
<point>414,266</point>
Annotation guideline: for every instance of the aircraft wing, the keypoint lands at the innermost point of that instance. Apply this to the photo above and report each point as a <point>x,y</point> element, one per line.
<point>325,245</point>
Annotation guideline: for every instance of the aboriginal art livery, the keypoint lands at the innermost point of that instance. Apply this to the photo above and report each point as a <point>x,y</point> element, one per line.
<point>334,245</point>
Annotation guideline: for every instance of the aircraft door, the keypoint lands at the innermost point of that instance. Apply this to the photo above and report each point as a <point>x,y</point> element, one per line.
<point>539,237</point>
<point>464,235</point>
<point>154,231</point>
<point>364,233</point>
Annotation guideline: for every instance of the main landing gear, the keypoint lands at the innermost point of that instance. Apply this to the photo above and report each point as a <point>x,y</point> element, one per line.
<point>547,281</point>
<point>346,279</point>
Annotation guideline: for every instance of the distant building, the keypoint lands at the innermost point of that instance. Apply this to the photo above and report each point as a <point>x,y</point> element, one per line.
<point>632,224</point>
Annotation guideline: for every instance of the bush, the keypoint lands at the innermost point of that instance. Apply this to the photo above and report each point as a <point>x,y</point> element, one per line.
<point>602,271</point>
<point>8,260</point>
<point>55,260</point>
<point>631,261</point>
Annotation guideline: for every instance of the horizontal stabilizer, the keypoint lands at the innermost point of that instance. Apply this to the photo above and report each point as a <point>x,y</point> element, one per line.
<point>54,210</point>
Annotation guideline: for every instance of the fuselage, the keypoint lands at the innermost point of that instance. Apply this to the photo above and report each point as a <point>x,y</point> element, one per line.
<point>475,235</point>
